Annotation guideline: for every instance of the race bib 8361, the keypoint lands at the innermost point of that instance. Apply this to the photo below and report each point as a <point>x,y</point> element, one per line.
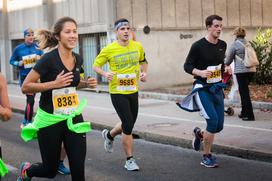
<point>65,100</point>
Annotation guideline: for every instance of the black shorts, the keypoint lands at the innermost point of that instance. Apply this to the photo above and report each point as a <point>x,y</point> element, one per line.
<point>126,106</point>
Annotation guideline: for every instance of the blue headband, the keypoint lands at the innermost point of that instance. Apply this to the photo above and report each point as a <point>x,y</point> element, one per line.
<point>28,31</point>
<point>122,23</point>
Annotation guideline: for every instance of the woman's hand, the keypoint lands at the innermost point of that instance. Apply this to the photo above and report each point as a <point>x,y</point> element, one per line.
<point>63,79</point>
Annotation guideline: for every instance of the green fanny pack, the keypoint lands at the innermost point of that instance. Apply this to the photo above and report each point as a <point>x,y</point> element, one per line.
<point>44,119</point>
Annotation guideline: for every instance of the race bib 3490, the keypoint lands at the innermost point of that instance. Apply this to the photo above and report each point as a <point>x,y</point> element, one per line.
<point>216,74</point>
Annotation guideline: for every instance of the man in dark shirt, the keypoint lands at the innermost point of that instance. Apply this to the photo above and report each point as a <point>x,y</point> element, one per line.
<point>205,62</point>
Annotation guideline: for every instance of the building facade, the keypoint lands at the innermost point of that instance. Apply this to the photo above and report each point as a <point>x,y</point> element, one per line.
<point>166,28</point>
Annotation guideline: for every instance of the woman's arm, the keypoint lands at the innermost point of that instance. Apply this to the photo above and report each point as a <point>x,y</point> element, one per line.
<point>5,110</point>
<point>31,84</point>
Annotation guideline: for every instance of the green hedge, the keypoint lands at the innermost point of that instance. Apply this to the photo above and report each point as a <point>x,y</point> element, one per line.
<point>263,47</point>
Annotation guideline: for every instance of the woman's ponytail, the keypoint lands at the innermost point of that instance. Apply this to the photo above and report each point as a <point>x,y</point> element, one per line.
<point>46,39</point>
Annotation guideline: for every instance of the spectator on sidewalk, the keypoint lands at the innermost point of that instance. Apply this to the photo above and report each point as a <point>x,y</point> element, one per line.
<point>205,62</point>
<point>125,57</point>
<point>243,74</point>
<point>5,115</point>
<point>25,57</point>
<point>58,119</point>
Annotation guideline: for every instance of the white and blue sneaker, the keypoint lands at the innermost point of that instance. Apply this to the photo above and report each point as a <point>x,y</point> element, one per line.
<point>131,165</point>
<point>108,144</point>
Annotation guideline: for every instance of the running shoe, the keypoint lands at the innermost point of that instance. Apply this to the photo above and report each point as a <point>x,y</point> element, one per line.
<point>209,161</point>
<point>197,140</point>
<point>108,144</point>
<point>131,165</point>
<point>23,176</point>
<point>63,170</point>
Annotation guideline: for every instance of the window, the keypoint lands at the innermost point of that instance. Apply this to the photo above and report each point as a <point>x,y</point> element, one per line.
<point>89,47</point>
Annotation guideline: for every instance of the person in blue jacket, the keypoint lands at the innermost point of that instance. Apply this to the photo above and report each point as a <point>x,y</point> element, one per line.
<point>25,57</point>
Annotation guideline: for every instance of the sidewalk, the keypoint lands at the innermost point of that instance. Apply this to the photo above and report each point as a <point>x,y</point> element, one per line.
<point>157,94</point>
<point>251,140</point>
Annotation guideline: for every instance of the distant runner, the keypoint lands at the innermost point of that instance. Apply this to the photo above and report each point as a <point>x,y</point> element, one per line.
<point>25,57</point>
<point>205,62</point>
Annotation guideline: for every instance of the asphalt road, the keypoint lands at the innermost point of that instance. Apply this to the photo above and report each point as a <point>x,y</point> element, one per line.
<point>163,122</point>
<point>157,162</point>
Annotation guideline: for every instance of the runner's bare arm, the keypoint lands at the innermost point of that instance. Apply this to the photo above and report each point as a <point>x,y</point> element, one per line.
<point>143,76</point>
<point>201,73</point>
<point>5,110</point>
<point>31,84</point>
<point>108,75</point>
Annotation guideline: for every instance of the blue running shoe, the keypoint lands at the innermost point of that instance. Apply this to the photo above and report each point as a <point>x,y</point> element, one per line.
<point>23,176</point>
<point>197,140</point>
<point>63,170</point>
<point>209,161</point>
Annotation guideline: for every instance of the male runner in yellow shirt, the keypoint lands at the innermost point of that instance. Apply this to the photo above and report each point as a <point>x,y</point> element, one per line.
<point>127,65</point>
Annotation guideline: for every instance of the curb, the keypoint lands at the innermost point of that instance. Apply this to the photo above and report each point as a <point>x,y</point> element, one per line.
<point>185,143</point>
<point>174,97</point>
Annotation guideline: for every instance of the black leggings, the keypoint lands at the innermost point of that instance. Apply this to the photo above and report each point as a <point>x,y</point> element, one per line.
<point>50,140</point>
<point>30,100</point>
<point>126,106</point>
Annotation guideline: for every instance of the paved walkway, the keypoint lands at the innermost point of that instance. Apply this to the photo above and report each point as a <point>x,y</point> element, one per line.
<point>244,139</point>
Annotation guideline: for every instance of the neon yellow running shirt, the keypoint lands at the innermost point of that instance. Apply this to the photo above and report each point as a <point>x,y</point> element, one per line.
<point>124,62</point>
